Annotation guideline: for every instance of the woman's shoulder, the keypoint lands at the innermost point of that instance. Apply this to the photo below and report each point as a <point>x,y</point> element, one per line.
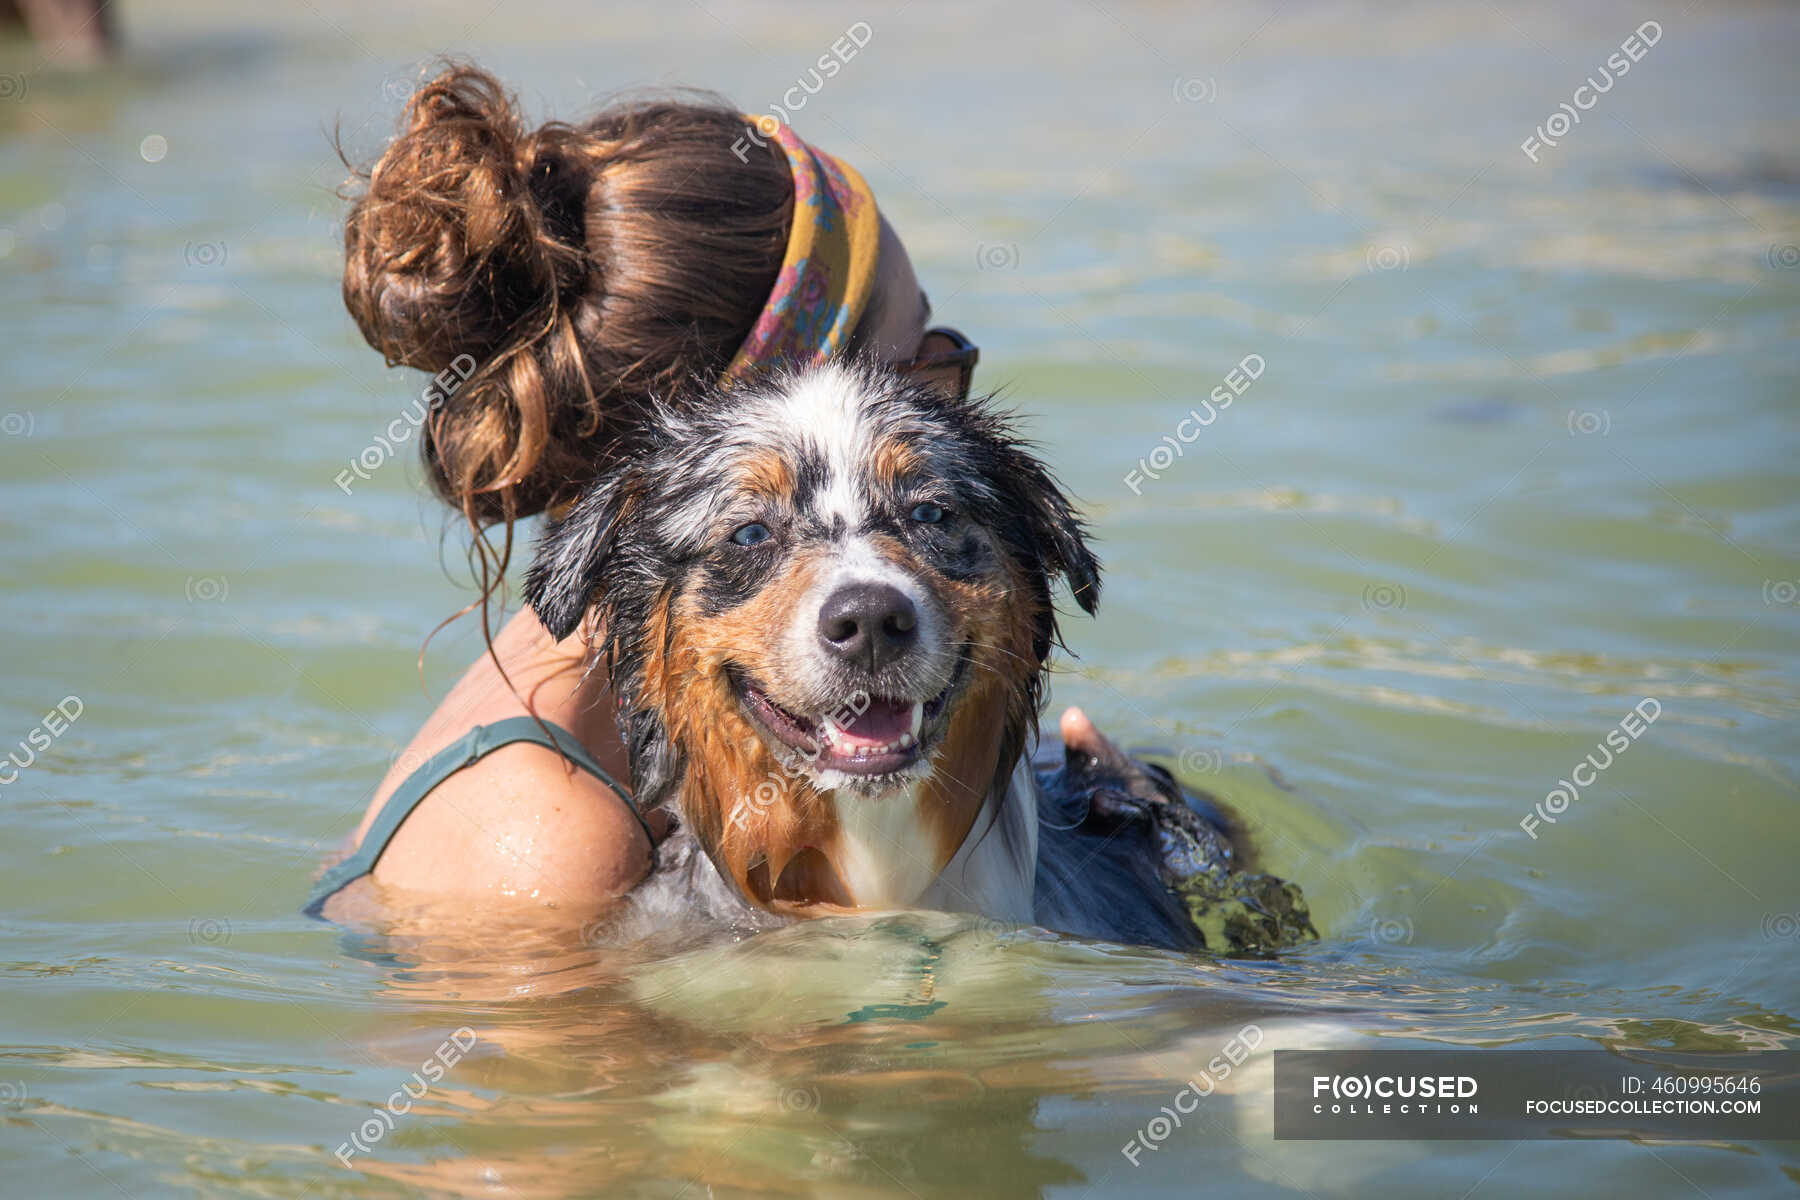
<point>521,821</point>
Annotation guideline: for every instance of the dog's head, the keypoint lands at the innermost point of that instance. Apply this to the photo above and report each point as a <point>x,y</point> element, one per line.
<point>825,603</point>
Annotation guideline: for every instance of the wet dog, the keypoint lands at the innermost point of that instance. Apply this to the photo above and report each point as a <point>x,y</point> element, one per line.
<point>825,605</point>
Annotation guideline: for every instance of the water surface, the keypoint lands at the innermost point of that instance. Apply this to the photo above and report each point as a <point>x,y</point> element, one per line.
<point>1521,456</point>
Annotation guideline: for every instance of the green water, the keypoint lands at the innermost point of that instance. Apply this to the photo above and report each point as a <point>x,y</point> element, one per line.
<point>1521,456</point>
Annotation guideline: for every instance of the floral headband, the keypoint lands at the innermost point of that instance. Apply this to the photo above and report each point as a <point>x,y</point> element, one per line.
<point>828,270</point>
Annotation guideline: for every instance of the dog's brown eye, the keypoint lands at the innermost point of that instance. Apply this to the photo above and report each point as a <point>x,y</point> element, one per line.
<point>928,513</point>
<point>755,533</point>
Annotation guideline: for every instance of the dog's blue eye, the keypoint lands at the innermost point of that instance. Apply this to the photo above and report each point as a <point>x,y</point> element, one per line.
<point>751,534</point>
<point>927,513</point>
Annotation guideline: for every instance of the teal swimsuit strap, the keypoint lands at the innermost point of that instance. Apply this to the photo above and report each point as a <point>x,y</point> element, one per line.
<point>480,741</point>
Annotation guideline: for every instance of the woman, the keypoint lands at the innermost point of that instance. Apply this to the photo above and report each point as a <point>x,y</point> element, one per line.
<point>587,269</point>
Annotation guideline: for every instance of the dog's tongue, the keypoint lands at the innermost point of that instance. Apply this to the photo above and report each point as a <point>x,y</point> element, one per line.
<point>880,724</point>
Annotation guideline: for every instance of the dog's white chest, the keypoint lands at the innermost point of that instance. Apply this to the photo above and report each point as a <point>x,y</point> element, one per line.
<point>887,854</point>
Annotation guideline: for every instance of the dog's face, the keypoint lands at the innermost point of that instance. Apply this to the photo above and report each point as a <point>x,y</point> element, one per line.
<point>825,603</point>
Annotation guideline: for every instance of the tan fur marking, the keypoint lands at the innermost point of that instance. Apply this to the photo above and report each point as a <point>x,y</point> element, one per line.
<point>767,473</point>
<point>991,717</point>
<point>743,805</point>
<point>893,463</point>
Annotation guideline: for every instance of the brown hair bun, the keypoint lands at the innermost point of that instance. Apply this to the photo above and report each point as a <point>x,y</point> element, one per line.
<point>584,268</point>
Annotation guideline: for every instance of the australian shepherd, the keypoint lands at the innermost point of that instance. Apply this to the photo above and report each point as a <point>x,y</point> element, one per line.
<point>825,605</point>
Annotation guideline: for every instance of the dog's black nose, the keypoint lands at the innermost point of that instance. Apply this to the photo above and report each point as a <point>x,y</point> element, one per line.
<point>869,624</point>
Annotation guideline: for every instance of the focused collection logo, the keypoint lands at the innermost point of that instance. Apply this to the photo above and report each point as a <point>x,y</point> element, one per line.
<point>1406,1094</point>
<point>1379,1095</point>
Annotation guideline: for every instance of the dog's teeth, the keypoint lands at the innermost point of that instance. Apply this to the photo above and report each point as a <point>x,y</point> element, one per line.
<point>906,741</point>
<point>918,721</point>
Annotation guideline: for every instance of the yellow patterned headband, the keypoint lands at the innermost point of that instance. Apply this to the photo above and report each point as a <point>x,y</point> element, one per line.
<point>827,273</point>
<point>828,270</point>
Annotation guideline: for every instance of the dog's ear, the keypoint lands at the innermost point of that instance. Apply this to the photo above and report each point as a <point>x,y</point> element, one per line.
<point>1053,534</point>
<point>573,553</point>
<point>1040,527</point>
<point>1060,534</point>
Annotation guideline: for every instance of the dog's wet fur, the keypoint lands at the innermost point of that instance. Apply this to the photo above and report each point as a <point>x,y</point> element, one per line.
<point>1126,853</point>
<point>825,605</point>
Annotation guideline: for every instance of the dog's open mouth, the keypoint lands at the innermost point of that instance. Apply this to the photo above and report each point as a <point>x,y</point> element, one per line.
<point>868,736</point>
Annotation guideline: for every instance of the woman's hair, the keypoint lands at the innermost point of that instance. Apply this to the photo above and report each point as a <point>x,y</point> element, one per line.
<point>585,269</point>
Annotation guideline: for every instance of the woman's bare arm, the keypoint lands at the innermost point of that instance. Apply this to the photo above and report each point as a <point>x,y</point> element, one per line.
<point>521,825</point>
